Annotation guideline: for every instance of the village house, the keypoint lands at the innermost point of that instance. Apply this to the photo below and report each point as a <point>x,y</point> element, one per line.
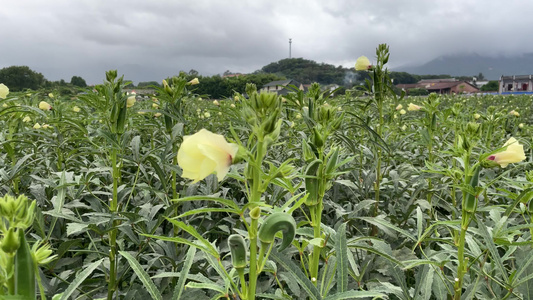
<point>280,86</point>
<point>441,86</point>
<point>516,84</point>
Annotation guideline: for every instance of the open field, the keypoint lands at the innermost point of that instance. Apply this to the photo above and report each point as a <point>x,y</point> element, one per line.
<point>372,199</point>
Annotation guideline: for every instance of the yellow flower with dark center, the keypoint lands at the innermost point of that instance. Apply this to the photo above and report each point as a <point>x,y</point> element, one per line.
<point>45,105</point>
<point>363,64</point>
<point>413,107</point>
<point>512,154</point>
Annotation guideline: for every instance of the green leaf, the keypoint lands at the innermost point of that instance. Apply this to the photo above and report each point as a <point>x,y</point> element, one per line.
<point>181,241</point>
<point>76,228</point>
<point>492,249</point>
<point>160,173</point>
<point>524,197</point>
<point>226,202</point>
<point>80,278</point>
<point>297,274</point>
<point>385,226</point>
<point>355,295</point>
<point>419,221</point>
<point>19,166</point>
<point>439,288</point>
<point>183,274</point>
<point>209,286</point>
<point>195,233</point>
<point>135,147</point>
<point>143,276</point>
<point>208,209</point>
<point>424,280</point>
<point>341,249</point>
<point>376,251</point>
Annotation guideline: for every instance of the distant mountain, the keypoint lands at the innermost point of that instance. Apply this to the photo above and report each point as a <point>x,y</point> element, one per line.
<point>473,64</point>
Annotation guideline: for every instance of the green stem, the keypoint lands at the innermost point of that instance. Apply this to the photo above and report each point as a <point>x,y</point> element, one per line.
<point>531,229</point>
<point>316,219</point>
<point>174,162</point>
<point>255,198</point>
<point>253,260</point>
<point>10,265</point>
<point>461,270</point>
<point>113,232</point>
<point>241,278</point>
<point>379,130</point>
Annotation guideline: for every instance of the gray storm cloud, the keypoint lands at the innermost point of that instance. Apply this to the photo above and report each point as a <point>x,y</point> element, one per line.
<point>151,40</point>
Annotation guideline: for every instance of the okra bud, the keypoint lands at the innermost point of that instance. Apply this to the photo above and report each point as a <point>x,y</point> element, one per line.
<point>275,222</point>
<point>470,201</point>
<point>237,247</point>
<point>24,270</point>
<point>311,182</point>
<point>11,242</point>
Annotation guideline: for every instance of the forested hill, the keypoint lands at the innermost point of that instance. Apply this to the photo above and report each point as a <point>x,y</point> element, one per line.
<point>308,71</point>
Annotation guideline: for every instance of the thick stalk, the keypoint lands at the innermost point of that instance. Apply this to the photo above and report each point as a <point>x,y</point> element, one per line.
<point>253,260</point>
<point>174,162</point>
<point>113,232</point>
<point>461,270</point>
<point>531,229</point>
<point>316,218</point>
<point>379,100</point>
<point>255,197</point>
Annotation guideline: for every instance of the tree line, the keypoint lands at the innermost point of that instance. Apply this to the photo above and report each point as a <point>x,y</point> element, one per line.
<point>20,78</point>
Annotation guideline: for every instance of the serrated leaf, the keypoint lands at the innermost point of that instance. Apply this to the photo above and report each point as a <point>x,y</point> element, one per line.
<point>76,228</point>
<point>183,274</point>
<point>226,202</point>
<point>143,276</point>
<point>424,280</point>
<point>492,249</point>
<point>181,241</point>
<point>197,235</point>
<point>80,277</point>
<point>386,226</point>
<point>297,275</point>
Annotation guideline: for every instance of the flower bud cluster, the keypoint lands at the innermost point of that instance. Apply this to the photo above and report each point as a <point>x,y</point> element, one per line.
<point>15,214</point>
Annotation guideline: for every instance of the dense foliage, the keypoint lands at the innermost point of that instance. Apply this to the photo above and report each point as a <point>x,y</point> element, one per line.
<point>219,87</point>
<point>78,81</point>
<point>379,189</point>
<point>308,71</point>
<point>19,78</point>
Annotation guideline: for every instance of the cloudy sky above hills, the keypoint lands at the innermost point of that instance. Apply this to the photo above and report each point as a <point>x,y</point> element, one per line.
<point>150,40</point>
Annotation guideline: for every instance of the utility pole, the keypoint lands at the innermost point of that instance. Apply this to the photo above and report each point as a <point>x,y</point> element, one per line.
<point>290,42</point>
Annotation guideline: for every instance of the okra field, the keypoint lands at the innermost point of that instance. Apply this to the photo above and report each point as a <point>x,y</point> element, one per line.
<point>309,195</point>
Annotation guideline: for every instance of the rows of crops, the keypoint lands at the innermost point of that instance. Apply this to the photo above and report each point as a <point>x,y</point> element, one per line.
<point>307,196</point>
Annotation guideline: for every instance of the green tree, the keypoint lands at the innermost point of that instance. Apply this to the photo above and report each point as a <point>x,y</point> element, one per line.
<point>18,78</point>
<point>307,71</point>
<point>78,81</point>
<point>491,86</point>
<point>404,78</point>
<point>147,84</point>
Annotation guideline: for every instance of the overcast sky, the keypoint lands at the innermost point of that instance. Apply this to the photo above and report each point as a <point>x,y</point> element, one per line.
<point>151,40</point>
